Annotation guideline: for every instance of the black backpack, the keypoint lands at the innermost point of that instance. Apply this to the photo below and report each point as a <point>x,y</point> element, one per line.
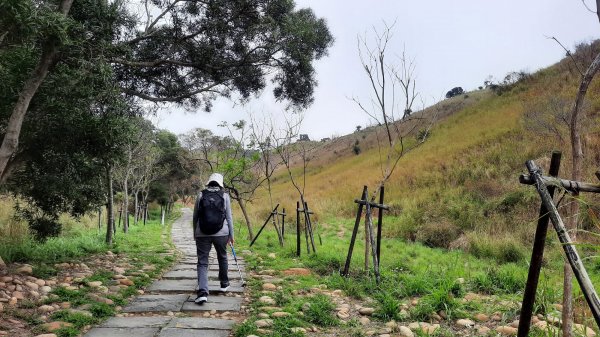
<point>211,211</point>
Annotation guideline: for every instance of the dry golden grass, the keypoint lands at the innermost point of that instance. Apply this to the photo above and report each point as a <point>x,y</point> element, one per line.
<point>465,175</point>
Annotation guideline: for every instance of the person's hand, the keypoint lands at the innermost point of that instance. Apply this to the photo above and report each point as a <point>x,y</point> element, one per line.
<point>230,241</point>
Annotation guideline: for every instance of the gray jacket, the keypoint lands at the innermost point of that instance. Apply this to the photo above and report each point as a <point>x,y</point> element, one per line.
<point>227,229</point>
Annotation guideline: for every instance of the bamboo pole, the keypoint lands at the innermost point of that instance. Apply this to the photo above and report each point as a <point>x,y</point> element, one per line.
<point>569,185</point>
<point>570,251</point>
<point>537,255</point>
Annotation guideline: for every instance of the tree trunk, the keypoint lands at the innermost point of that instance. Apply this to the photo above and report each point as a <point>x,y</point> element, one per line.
<point>136,205</point>
<point>162,215</point>
<point>110,217</point>
<point>244,212</point>
<point>10,142</point>
<point>125,206</point>
<point>576,175</point>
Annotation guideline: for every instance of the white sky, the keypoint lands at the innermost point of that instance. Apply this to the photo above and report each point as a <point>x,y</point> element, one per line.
<point>454,43</point>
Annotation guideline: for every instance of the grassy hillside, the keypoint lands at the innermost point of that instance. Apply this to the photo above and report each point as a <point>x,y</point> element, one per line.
<point>460,188</point>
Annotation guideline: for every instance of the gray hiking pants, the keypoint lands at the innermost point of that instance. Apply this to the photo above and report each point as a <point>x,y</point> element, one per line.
<point>203,246</point>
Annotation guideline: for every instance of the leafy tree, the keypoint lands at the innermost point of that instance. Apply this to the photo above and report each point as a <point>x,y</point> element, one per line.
<point>455,92</point>
<point>188,54</point>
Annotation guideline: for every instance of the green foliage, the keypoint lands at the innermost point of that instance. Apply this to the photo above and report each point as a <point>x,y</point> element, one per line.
<point>320,311</point>
<point>508,278</point>
<point>79,320</point>
<point>102,310</point>
<point>356,147</point>
<point>388,307</point>
<point>44,271</point>
<point>245,329</point>
<point>53,250</point>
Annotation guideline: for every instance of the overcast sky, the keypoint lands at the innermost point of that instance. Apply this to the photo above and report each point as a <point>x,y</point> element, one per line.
<point>454,43</point>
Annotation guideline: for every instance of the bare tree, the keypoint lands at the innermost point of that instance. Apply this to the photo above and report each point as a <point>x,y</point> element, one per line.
<point>393,92</point>
<point>230,156</point>
<point>576,175</point>
<point>575,131</point>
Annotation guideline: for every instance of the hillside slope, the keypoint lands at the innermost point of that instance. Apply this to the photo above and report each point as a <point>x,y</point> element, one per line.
<point>460,188</point>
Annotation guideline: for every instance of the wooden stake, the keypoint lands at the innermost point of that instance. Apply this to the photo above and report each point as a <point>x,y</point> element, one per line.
<point>587,288</point>
<point>367,237</point>
<point>537,255</point>
<point>309,226</point>
<point>283,224</point>
<point>379,224</point>
<point>354,232</point>
<point>263,226</point>
<point>298,228</point>
<point>369,226</point>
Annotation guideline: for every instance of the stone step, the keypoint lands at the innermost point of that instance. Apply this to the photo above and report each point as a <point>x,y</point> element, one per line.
<point>189,286</point>
<point>191,274</point>
<point>156,303</point>
<point>177,303</point>
<point>168,327</point>
<point>214,266</point>
<point>219,303</point>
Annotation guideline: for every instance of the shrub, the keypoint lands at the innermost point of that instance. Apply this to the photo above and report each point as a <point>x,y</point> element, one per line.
<point>439,234</point>
<point>503,249</point>
<point>356,148</point>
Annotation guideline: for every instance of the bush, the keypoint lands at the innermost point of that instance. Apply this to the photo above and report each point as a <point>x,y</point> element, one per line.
<point>439,234</point>
<point>356,148</point>
<point>503,250</point>
<point>43,228</point>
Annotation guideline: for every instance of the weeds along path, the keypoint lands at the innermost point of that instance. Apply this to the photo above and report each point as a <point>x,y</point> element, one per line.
<point>167,309</point>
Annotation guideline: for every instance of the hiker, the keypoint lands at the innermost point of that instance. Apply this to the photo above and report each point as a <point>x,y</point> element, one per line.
<point>213,225</point>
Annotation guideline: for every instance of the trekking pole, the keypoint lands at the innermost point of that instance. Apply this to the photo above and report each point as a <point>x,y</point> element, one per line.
<point>238,266</point>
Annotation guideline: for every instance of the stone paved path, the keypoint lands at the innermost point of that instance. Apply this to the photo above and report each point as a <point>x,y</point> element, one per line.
<point>167,309</point>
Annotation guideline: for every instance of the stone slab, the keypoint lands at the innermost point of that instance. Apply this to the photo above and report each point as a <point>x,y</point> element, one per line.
<point>201,323</point>
<point>211,266</point>
<point>122,332</point>
<point>193,275</point>
<point>156,303</point>
<point>179,286</point>
<point>171,332</point>
<point>136,322</point>
<point>219,303</point>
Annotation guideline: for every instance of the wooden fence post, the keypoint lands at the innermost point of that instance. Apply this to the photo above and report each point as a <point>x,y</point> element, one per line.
<point>263,226</point>
<point>283,224</point>
<point>379,223</point>
<point>308,226</point>
<point>587,287</point>
<point>354,232</point>
<point>298,228</point>
<point>537,255</point>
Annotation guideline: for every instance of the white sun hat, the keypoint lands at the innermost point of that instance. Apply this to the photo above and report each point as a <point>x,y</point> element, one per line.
<point>216,177</point>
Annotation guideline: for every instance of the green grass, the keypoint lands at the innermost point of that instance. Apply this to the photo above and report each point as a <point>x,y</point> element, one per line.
<point>319,311</point>
<point>143,245</point>
<point>438,278</point>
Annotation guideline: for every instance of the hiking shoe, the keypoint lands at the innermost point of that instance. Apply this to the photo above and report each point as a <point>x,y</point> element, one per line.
<point>200,300</point>
<point>224,289</point>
